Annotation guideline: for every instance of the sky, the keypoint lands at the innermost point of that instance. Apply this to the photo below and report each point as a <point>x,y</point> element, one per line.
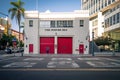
<point>43,5</point>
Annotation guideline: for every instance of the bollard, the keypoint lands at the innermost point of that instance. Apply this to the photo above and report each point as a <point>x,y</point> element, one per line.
<point>21,54</point>
<point>113,53</point>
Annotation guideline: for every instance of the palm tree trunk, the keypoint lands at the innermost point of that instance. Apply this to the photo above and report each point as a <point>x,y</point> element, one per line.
<point>19,31</point>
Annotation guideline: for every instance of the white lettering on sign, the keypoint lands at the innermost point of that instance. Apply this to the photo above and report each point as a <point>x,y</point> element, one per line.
<point>55,29</point>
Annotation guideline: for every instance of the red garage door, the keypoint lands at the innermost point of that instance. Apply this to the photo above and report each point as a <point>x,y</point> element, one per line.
<point>65,45</point>
<point>47,45</point>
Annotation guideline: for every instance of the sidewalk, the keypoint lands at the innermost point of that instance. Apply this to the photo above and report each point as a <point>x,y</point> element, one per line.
<point>97,54</point>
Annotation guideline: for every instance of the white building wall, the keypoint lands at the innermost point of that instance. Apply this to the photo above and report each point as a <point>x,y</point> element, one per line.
<point>100,26</point>
<point>80,35</point>
<point>31,33</point>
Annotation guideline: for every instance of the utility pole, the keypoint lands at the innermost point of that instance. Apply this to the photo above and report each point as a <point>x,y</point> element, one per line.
<point>93,44</point>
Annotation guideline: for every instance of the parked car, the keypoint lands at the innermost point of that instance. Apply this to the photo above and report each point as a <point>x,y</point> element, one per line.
<point>15,50</point>
<point>8,50</point>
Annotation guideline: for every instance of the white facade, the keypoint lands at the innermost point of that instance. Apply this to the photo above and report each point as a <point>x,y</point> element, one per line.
<point>99,11</point>
<point>56,25</point>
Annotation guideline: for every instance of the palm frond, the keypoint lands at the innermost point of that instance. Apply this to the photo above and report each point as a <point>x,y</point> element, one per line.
<point>15,4</point>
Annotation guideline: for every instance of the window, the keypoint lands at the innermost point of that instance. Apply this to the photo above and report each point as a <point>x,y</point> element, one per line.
<point>52,24</point>
<point>70,23</point>
<point>81,23</point>
<point>65,23</point>
<point>61,23</point>
<point>109,1</point>
<point>58,23</point>
<point>45,23</point>
<point>114,19</point>
<point>105,2</point>
<point>31,23</point>
<point>113,0</point>
<point>110,21</point>
<point>118,17</point>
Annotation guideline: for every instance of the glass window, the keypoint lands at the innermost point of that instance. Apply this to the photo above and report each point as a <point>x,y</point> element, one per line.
<point>110,21</point>
<point>64,23</point>
<point>118,17</point>
<point>114,19</point>
<point>109,1</point>
<point>70,23</point>
<point>52,24</point>
<point>61,23</point>
<point>105,2</point>
<point>58,23</point>
<point>81,23</point>
<point>31,23</point>
<point>113,0</point>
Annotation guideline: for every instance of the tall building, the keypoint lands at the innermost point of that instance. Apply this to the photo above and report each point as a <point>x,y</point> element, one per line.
<point>104,17</point>
<point>57,32</point>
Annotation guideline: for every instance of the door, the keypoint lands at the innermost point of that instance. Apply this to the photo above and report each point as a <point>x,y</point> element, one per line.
<point>30,48</point>
<point>81,49</point>
<point>47,45</point>
<point>64,45</point>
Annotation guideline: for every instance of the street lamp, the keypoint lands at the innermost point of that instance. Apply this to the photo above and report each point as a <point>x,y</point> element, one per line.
<point>93,44</point>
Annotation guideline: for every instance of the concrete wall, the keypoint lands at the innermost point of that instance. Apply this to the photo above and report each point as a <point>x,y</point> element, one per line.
<point>79,34</point>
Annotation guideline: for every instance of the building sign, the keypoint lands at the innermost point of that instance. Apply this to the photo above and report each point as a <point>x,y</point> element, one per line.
<point>55,29</point>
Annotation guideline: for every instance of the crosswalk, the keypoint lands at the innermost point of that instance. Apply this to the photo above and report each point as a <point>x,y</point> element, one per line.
<point>62,63</point>
<point>65,63</point>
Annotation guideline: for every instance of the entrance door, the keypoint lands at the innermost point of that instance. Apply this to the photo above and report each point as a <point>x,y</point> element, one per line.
<point>30,48</point>
<point>81,48</point>
<point>64,45</point>
<point>47,45</point>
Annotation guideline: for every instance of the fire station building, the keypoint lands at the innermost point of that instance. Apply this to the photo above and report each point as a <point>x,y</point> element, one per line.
<point>57,32</point>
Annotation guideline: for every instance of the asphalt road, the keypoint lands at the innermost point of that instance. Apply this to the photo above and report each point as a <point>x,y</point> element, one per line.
<point>59,68</point>
<point>59,75</point>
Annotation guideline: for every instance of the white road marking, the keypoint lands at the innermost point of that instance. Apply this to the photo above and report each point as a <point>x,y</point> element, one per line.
<point>90,63</point>
<point>20,64</point>
<point>32,59</point>
<point>112,59</point>
<point>61,59</point>
<point>75,65</point>
<point>88,59</point>
<point>62,63</point>
<point>8,58</point>
<point>103,64</point>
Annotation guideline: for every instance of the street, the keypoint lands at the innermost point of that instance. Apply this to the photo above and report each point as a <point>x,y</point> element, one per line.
<point>59,75</point>
<point>59,67</point>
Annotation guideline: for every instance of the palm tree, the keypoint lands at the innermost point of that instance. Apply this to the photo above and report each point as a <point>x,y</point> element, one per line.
<point>17,12</point>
